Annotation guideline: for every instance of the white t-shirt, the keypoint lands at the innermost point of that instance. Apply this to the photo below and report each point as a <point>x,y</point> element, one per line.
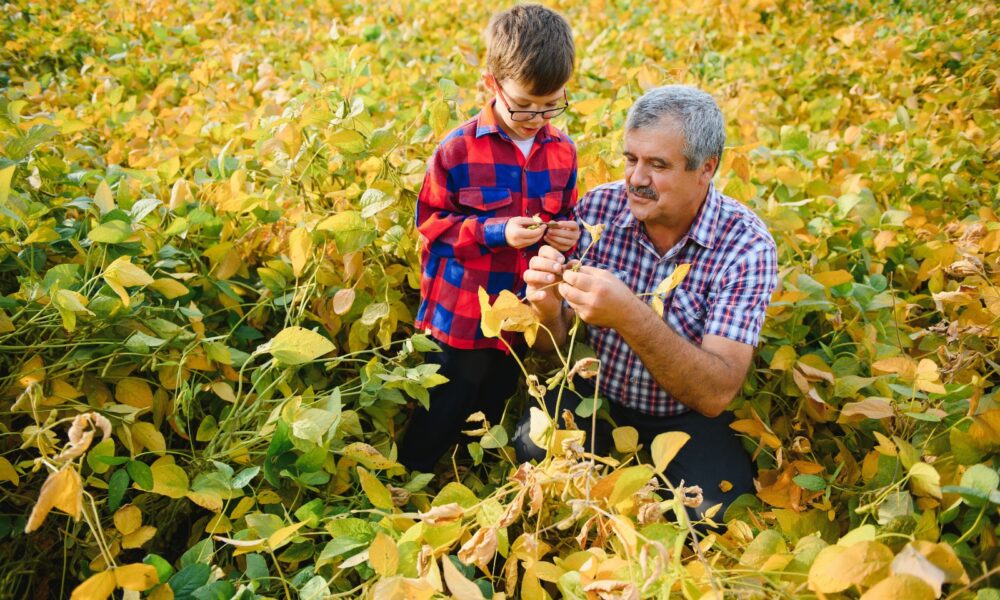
<point>524,145</point>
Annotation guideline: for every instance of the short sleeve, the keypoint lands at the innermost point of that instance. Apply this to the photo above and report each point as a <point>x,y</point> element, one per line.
<point>740,302</point>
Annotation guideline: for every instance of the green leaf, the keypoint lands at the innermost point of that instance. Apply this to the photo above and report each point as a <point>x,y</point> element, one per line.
<point>141,474</point>
<point>116,488</point>
<point>496,437</point>
<point>189,579</point>
<point>813,483</point>
<point>163,568</point>
<point>112,232</point>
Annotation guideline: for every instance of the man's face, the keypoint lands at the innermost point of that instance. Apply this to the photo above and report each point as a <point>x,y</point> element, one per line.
<point>662,193</point>
<point>518,97</point>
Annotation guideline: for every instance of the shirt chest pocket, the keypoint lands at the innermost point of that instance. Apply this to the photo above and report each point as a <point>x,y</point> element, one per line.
<point>556,203</point>
<point>484,199</point>
<point>687,314</point>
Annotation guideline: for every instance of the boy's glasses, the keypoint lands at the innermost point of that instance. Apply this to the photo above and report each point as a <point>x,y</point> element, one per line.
<point>528,115</point>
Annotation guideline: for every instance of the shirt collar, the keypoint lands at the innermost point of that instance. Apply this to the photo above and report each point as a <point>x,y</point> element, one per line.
<point>703,229</point>
<point>487,124</point>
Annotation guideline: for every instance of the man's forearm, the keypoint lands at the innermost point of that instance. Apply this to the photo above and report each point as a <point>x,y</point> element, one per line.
<point>701,380</point>
<point>559,328</point>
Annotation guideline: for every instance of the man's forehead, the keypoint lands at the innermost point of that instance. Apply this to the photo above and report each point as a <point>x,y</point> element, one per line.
<point>662,138</point>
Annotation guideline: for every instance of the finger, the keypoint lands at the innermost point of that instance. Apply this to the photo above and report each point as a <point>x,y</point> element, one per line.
<point>577,279</point>
<point>545,265</point>
<point>538,278</point>
<point>551,254</point>
<point>571,294</point>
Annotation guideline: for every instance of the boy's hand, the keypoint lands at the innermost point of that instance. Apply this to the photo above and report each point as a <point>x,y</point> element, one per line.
<point>522,232</point>
<point>562,235</point>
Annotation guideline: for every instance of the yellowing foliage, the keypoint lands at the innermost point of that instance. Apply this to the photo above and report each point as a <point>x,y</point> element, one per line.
<point>208,254</point>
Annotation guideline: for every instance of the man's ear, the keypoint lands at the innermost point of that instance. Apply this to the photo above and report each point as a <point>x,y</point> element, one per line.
<point>708,170</point>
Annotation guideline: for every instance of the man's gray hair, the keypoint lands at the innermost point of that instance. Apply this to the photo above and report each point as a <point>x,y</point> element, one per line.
<point>694,110</point>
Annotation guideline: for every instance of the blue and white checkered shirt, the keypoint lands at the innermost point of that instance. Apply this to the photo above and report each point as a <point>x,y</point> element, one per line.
<point>733,274</point>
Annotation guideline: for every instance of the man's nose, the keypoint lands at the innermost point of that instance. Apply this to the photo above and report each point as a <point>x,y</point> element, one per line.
<point>639,175</point>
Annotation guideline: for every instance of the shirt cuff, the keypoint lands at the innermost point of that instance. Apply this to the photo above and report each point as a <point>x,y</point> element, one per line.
<point>494,235</point>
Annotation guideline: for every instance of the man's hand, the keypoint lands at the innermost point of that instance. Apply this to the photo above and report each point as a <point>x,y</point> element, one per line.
<point>562,235</point>
<point>522,232</point>
<point>544,272</point>
<point>598,297</point>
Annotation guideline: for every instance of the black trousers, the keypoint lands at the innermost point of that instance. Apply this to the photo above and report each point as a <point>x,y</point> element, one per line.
<point>477,380</point>
<point>713,454</point>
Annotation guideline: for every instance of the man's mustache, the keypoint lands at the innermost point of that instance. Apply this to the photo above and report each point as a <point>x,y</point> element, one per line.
<point>643,191</point>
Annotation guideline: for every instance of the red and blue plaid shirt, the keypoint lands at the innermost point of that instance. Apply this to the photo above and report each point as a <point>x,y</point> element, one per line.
<point>476,181</point>
<point>733,273</point>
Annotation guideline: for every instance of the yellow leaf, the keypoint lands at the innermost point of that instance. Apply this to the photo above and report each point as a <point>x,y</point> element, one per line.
<point>138,537</point>
<point>128,518</point>
<point>134,392</point>
<point>871,408</point>
<point>443,514</point>
<point>589,106</point>
<point>904,366</point>
<point>725,485</point>
<point>783,359</point>
<point>368,456</point>
<point>149,436</point>
<point>32,371</point>
<point>169,479</point>
<point>928,378</point>
<point>7,472</point>
<point>460,587</point>
<point>296,346</point>
<point>42,235</point>
<point>508,313</point>
<point>377,493</point>
<point>96,587</point>
<point>403,588</point>
<point>122,274</point>
<point>481,548</point>
<point>299,249</point>
<point>170,288</point>
<point>63,490</point>
<point>673,280</point>
<point>343,300</point>
<point>180,194</point>
<point>5,176</point>
<point>137,577</point>
<point>6,325</point>
<point>837,568</point>
<point>666,446</point>
<point>830,279</point>
<point>925,480</point>
<point>626,439</point>
<point>280,537</point>
<point>224,390</point>
<point>900,586</point>
<point>103,198</point>
<point>539,427</point>
<point>631,480</point>
<point>383,555</point>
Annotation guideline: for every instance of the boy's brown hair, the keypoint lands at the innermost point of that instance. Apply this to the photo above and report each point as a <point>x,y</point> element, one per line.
<point>532,45</point>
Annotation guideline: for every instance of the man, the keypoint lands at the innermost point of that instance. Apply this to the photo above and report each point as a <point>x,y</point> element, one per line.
<point>678,372</point>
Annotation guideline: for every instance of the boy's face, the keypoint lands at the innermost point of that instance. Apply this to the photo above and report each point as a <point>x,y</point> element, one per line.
<point>514,95</point>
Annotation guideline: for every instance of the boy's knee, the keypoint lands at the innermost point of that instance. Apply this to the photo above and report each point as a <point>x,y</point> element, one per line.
<point>524,448</point>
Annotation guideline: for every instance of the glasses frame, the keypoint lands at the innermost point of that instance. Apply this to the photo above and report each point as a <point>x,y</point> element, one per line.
<point>547,114</point>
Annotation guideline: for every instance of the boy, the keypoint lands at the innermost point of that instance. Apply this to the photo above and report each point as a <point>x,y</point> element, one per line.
<point>485,183</point>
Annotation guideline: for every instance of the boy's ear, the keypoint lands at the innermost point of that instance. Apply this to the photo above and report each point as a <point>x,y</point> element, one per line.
<point>490,82</point>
